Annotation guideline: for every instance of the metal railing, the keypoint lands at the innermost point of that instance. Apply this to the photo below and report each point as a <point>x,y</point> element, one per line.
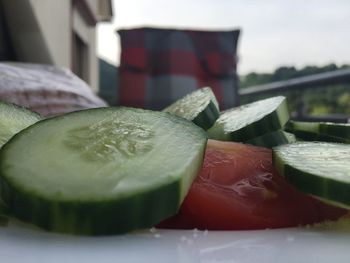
<point>302,84</point>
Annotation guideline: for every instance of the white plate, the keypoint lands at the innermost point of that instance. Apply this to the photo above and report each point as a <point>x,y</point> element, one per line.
<point>20,244</point>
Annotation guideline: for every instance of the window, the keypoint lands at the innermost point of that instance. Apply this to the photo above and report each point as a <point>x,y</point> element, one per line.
<point>80,58</point>
<point>6,51</point>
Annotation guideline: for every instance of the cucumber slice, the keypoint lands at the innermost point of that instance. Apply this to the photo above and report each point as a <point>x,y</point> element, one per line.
<point>341,130</point>
<point>272,139</point>
<point>3,220</point>
<point>14,119</point>
<point>200,107</point>
<point>101,171</point>
<point>248,121</point>
<point>318,168</point>
<point>320,131</point>
<point>311,136</point>
<point>3,214</point>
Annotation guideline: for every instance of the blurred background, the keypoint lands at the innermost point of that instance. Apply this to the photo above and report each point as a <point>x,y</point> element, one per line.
<point>274,47</point>
<point>274,32</point>
<point>279,40</point>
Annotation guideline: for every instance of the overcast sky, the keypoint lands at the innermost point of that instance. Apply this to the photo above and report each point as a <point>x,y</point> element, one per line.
<point>274,32</point>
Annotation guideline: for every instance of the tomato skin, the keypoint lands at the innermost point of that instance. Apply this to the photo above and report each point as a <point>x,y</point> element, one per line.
<point>239,189</point>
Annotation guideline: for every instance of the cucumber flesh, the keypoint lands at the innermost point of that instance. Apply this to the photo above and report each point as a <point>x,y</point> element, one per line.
<point>272,139</point>
<point>318,168</point>
<point>200,107</point>
<point>101,171</point>
<point>320,131</point>
<point>14,119</point>
<point>251,120</point>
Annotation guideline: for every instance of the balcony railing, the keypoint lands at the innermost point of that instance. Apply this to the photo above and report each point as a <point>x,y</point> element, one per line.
<point>301,84</point>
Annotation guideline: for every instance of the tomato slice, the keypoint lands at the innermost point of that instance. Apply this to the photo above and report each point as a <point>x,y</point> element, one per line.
<point>238,188</point>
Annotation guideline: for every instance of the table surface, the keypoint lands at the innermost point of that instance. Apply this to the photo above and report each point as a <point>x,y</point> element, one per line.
<point>314,244</point>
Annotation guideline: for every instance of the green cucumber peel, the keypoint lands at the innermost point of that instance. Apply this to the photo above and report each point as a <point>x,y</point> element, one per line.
<point>248,121</point>
<point>318,168</point>
<point>200,107</point>
<point>101,171</point>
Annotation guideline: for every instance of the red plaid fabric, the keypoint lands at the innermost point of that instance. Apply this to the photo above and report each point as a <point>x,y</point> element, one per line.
<point>45,89</point>
<point>159,66</point>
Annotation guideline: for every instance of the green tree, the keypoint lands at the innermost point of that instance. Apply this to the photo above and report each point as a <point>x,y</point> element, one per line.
<point>323,100</point>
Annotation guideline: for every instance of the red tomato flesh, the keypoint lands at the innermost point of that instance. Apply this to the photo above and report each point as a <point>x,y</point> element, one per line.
<point>238,188</point>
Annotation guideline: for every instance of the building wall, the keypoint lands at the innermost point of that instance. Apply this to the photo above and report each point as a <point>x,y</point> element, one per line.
<point>54,19</point>
<point>88,35</point>
<point>93,4</point>
<point>24,34</point>
<point>59,20</point>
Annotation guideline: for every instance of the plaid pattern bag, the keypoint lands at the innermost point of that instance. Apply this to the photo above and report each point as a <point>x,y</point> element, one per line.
<point>159,66</point>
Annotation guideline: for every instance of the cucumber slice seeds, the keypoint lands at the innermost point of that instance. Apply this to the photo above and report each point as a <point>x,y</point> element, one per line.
<point>318,168</point>
<point>251,120</point>
<point>200,107</point>
<point>101,171</point>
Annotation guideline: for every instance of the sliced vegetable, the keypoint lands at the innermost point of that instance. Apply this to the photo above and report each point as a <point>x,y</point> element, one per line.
<point>3,220</point>
<point>14,119</point>
<point>318,168</point>
<point>200,107</point>
<point>311,136</point>
<point>320,131</point>
<point>341,130</point>
<point>251,120</point>
<point>3,214</point>
<point>101,171</point>
<point>272,139</point>
<point>238,188</point>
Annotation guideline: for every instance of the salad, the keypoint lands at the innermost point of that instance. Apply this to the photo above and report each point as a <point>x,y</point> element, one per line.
<point>115,169</point>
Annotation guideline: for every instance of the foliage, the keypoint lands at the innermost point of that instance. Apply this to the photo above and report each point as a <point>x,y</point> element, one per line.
<point>319,101</point>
